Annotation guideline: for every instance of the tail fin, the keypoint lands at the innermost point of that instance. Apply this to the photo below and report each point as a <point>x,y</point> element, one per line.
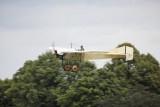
<point>129,53</point>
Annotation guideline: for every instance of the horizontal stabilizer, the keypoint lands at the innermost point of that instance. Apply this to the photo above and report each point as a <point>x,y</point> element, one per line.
<point>120,50</point>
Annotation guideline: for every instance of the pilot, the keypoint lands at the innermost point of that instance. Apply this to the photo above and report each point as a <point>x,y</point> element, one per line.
<point>81,48</point>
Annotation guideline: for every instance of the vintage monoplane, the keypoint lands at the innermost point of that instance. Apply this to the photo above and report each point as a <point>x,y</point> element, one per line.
<point>80,54</point>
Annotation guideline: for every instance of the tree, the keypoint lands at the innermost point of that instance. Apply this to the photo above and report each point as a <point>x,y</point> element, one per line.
<point>5,101</point>
<point>144,69</point>
<point>36,82</point>
<point>139,97</point>
<point>135,97</point>
<point>97,84</point>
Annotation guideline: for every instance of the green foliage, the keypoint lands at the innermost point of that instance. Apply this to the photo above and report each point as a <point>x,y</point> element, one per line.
<point>35,83</point>
<point>5,100</point>
<point>138,96</point>
<point>144,69</point>
<point>97,84</point>
<point>135,97</point>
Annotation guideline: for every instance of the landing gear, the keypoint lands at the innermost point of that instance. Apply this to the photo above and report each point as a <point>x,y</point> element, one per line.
<point>74,68</point>
<point>67,67</point>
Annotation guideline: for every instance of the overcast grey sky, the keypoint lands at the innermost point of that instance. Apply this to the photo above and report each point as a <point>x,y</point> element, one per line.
<point>28,27</point>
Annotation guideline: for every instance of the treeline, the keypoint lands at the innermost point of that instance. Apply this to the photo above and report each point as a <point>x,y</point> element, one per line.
<point>43,83</point>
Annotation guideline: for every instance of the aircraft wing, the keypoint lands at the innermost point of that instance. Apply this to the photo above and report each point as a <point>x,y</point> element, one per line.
<point>122,52</point>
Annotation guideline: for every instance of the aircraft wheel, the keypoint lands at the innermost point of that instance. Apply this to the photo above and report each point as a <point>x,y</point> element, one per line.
<point>74,68</point>
<point>67,67</point>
